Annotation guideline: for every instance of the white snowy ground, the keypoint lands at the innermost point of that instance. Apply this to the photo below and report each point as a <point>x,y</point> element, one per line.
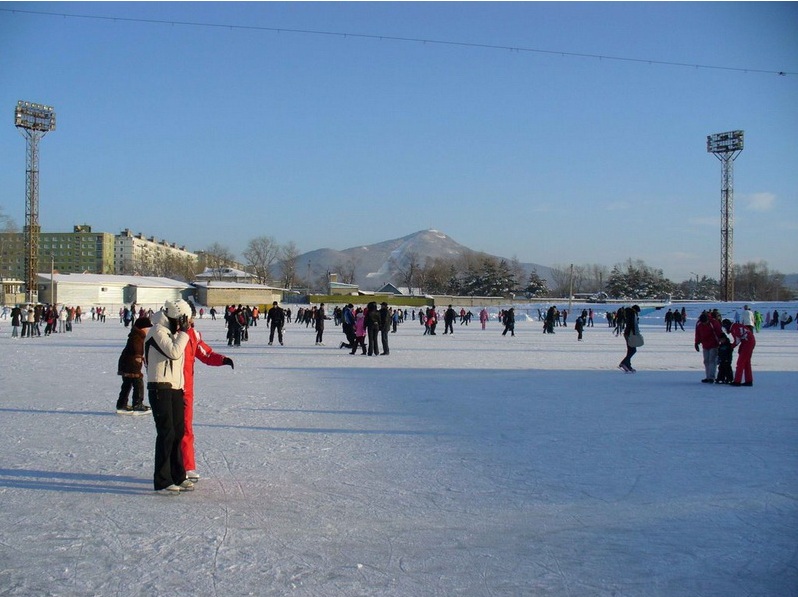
<point>470,464</point>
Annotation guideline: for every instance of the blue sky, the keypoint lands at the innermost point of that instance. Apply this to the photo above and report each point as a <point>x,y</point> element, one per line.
<point>203,134</point>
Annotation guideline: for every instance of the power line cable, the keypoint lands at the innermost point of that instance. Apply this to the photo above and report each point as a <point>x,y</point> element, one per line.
<point>418,40</point>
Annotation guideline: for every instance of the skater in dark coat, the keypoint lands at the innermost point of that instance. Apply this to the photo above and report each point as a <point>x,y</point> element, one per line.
<point>725,353</point>
<point>129,367</point>
<point>276,319</point>
<point>373,328</point>
<point>385,326</point>
<point>630,333</point>
<point>348,326</point>
<point>509,322</point>
<point>579,326</point>
<point>448,319</point>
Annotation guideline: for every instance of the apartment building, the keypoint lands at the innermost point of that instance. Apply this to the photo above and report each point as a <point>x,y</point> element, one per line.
<point>85,251</point>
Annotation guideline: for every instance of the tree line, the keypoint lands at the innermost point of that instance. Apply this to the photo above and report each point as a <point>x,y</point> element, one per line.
<point>468,274</point>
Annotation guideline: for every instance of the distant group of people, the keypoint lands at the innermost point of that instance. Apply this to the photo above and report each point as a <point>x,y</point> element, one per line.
<point>774,320</point>
<point>711,337</point>
<point>370,322</point>
<point>675,318</point>
<point>27,320</point>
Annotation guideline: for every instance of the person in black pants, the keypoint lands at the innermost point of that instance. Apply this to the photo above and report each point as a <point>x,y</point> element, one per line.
<point>509,322</point>
<point>373,328</point>
<point>276,318</point>
<point>164,353</point>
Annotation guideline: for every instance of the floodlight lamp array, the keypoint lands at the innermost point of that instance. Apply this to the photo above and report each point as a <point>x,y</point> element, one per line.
<point>34,117</point>
<point>725,142</point>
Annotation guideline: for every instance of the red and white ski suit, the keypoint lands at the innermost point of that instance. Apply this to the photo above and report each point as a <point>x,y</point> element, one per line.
<point>743,335</point>
<point>195,348</point>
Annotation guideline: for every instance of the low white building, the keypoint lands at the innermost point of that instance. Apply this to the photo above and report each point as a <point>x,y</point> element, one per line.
<point>110,291</point>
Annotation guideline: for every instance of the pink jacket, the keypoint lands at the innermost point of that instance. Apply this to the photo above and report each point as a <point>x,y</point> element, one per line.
<point>360,325</point>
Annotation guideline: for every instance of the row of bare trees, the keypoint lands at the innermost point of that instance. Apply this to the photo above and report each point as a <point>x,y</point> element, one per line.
<point>261,255</point>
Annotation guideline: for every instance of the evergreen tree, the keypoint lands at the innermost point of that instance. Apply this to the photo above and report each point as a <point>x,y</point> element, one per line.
<point>536,286</point>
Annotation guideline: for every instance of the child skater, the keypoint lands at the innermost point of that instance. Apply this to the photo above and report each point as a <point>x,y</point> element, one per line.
<point>725,351</point>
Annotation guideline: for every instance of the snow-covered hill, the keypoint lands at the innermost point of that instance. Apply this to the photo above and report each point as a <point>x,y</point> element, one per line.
<point>381,263</point>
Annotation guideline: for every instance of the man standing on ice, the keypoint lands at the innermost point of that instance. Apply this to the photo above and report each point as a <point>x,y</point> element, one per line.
<point>164,354</point>
<point>275,317</point>
<point>195,349</point>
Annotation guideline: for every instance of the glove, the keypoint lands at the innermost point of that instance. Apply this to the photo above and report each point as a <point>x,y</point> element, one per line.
<point>696,348</point>
<point>228,361</point>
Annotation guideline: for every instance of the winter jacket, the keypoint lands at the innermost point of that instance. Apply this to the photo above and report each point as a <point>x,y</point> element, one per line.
<point>196,348</point>
<point>707,333</point>
<point>740,333</point>
<point>164,353</point>
<point>360,325</point>
<point>132,356</point>
<point>372,316</point>
<point>385,319</point>
<point>276,315</point>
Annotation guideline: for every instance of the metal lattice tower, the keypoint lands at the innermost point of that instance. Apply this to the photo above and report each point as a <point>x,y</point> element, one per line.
<point>34,121</point>
<point>726,147</point>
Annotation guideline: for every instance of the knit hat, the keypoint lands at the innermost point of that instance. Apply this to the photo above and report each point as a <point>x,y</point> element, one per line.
<point>142,322</point>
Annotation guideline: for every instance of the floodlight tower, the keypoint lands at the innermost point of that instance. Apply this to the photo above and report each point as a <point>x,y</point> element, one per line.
<point>726,147</point>
<point>34,121</point>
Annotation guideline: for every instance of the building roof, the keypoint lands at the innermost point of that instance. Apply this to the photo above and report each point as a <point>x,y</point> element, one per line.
<point>389,288</point>
<point>214,273</point>
<point>235,285</point>
<point>114,280</point>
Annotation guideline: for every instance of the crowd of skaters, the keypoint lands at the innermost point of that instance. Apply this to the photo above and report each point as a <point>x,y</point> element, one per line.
<point>27,320</point>
<point>366,328</point>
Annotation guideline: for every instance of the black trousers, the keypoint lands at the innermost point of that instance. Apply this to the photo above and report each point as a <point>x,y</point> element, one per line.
<point>168,411</point>
<point>349,332</point>
<point>384,338</point>
<point>137,383</point>
<point>272,329</point>
<point>374,334</point>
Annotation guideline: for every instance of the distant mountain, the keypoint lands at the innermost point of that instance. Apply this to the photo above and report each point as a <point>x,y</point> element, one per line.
<point>381,263</point>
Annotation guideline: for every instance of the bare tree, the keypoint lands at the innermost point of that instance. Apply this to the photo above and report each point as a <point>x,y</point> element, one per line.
<point>261,253</point>
<point>289,254</point>
<point>347,271</point>
<point>217,257</point>
<point>595,277</point>
<point>755,281</point>
<point>409,272</point>
<point>560,280</point>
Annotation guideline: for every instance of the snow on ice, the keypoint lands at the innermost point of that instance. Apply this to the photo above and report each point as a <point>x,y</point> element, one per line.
<point>470,464</point>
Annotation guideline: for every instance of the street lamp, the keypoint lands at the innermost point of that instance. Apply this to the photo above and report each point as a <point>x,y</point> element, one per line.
<point>726,147</point>
<point>34,121</point>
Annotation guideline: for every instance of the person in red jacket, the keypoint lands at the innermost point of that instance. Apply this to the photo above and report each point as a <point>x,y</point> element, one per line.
<point>742,336</point>
<point>707,335</point>
<point>195,349</point>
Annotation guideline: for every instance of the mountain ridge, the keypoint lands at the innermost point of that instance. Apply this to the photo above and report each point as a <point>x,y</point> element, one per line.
<point>373,266</point>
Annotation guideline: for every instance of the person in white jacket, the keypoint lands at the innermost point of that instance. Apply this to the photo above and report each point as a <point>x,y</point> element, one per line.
<point>164,349</point>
